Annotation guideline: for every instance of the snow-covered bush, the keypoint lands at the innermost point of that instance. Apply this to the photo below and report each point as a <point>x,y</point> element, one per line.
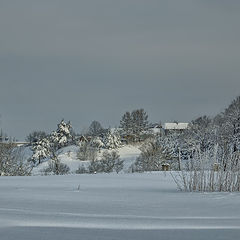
<point>206,174</point>
<point>81,170</point>
<point>87,152</point>
<point>153,156</point>
<point>109,162</point>
<point>55,167</point>
<point>97,143</point>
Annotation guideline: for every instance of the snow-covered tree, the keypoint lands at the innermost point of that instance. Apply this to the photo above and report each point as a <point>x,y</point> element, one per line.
<point>134,124</point>
<point>56,167</point>
<point>153,156</point>
<point>126,124</point>
<point>109,162</point>
<point>62,136</point>
<point>95,129</point>
<point>111,140</point>
<point>97,143</point>
<point>41,150</point>
<point>140,121</point>
<point>232,124</point>
<point>12,161</point>
<point>87,152</point>
<point>64,133</point>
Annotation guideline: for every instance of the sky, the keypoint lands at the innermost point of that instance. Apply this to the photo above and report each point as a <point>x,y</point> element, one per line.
<point>94,60</point>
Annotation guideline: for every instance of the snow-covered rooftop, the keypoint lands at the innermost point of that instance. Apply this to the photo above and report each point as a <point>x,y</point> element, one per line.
<point>178,126</point>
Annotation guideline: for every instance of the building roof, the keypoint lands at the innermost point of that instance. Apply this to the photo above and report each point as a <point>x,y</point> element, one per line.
<point>178,126</point>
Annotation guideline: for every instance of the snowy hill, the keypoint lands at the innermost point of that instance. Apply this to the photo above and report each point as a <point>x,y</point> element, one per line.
<point>68,156</point>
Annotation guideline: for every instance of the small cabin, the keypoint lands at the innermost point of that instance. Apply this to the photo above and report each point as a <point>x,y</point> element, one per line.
<point>165,167</point>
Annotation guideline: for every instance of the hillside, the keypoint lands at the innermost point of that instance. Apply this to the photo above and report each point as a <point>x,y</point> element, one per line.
<point>68,156</point>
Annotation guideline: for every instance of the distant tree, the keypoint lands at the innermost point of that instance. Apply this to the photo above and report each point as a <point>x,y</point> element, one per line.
<point>35,136</point>
<point>109,162</point>
<point>232,124</point>
<point>153,156</point>
<point>140,121</point>
<point>95,129</point>
<point>111,140</point>
<point>97,143</point>
<point>62,136</point>
<point>48,146</point>
<point>87,152</point>
<point>134,123</point>
<point>126,124</point>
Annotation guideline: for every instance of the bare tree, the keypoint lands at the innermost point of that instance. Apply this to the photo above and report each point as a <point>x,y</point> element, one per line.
<point>36,136</point>
<point>12,161</point>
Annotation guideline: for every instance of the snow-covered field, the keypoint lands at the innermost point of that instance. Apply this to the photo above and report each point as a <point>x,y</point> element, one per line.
<point>111,206</point>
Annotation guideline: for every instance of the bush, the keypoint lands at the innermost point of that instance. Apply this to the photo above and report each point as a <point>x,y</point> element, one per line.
<point>81,170</point>
<point>205,175</point>
<point>153,156</point>
<point>55,167</point>
<point>110,162</point>
<point>87,152</point>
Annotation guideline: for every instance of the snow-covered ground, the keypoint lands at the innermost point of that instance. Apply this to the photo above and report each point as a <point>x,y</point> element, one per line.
<point>113,206</point>
<point>68,155</point>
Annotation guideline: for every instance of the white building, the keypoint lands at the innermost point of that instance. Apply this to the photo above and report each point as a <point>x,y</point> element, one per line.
<point>175,127</point>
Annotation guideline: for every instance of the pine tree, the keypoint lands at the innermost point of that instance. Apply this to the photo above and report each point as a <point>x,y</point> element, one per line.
<point>134,123</point>
<point>41,150</point>
<point>95,129</point>
<point>111,140</point>
<point>126,124</point>
<point>62,136</point>
<point>140,121</point>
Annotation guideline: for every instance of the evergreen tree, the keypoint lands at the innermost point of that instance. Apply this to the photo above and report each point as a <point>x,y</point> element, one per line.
<point>95,129</point>
<point>41,150</point>
<point>111,140</point>
<point>126,124</point>
<point>140,121</point>
<point>62,136</point>
<point>134,123</point>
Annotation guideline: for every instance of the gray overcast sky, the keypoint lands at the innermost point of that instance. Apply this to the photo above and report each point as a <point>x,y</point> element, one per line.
<point>94,60</point>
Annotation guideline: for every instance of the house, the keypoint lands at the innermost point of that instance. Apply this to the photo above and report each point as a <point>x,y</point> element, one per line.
<point>175,126</point>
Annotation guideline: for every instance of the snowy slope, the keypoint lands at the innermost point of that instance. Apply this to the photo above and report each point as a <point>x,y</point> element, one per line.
<point>68,155</point>
<point>111,206</point>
